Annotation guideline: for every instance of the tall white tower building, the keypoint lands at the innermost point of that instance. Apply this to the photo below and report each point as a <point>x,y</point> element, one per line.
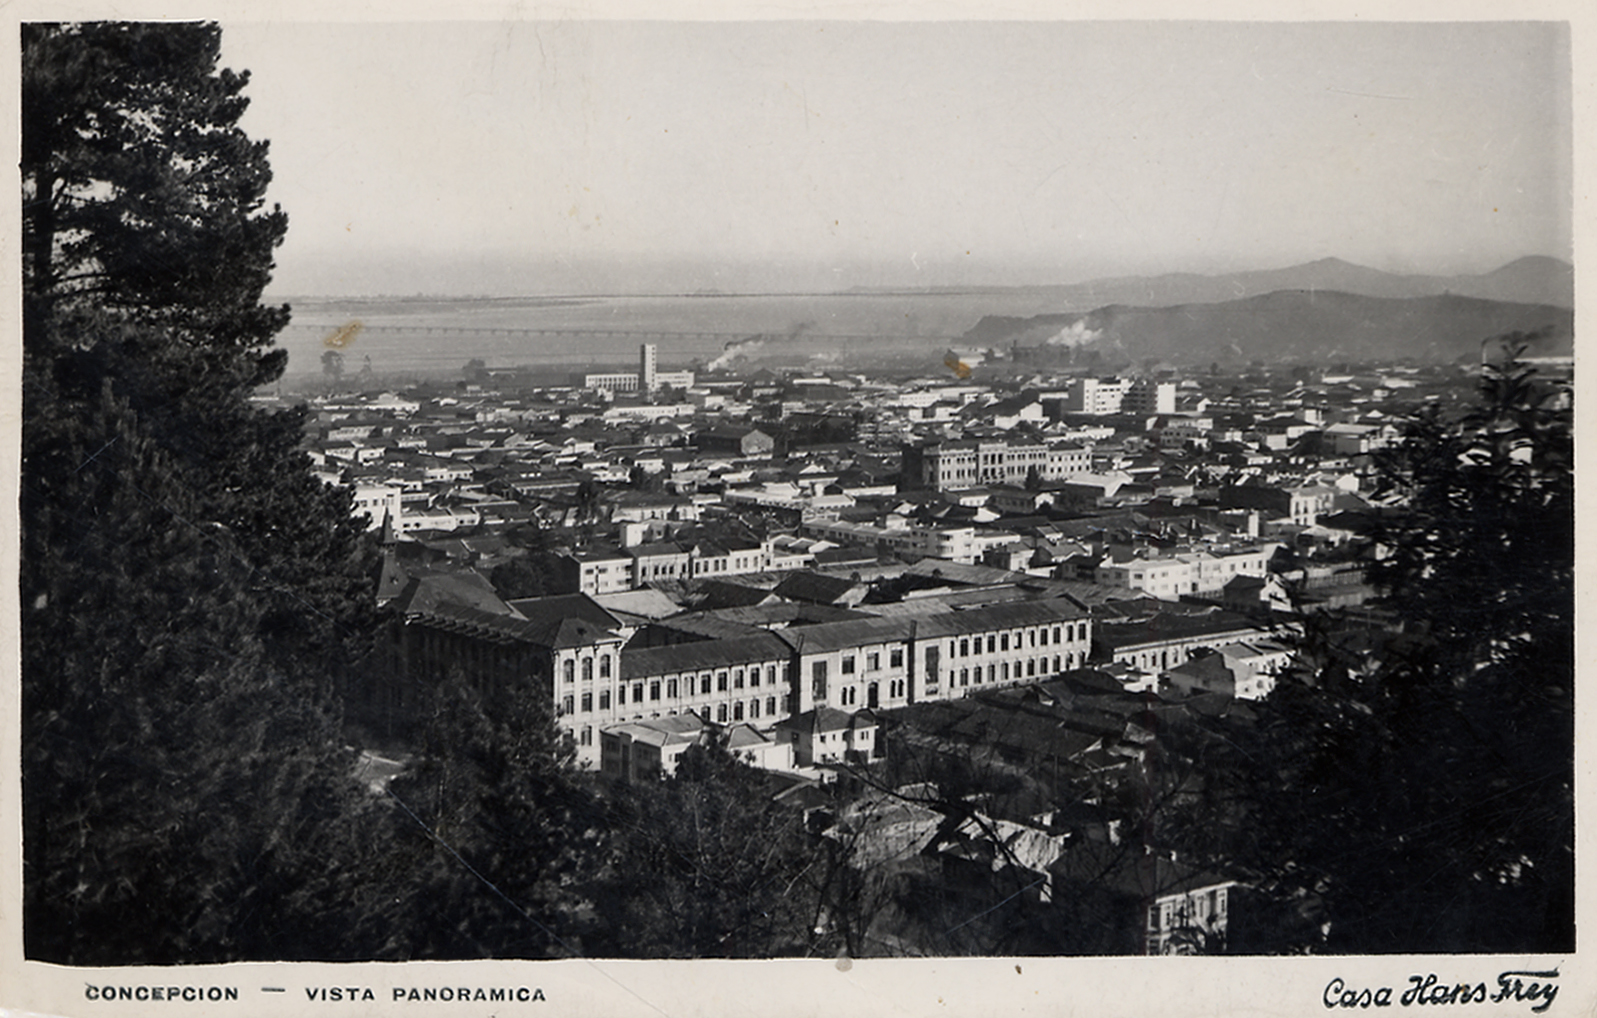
<point>648,379</point>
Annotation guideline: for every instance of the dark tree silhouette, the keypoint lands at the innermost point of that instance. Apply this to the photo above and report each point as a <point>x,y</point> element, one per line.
<point>706,865</point>
<point>193,593</point>
<point>1423,802</point>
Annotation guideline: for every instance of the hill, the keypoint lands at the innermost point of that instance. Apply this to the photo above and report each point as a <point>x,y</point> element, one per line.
<point>1534,280</point>
<point>1288,325</point>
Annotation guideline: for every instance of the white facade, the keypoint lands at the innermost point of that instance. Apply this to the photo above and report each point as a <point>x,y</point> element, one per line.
<point>378,502</point>
<point>1181,923</point>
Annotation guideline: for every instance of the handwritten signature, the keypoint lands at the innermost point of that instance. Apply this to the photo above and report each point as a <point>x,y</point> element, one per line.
<point>1512,987</point>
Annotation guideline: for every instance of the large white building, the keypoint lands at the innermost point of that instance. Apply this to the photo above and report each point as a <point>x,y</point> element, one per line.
<point>647,379</point>
<point>1101,396</point>
<point>970,462</point>
<point>598,676</point>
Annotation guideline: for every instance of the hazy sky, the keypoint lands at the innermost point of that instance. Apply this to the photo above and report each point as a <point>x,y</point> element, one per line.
<point>546,157</point>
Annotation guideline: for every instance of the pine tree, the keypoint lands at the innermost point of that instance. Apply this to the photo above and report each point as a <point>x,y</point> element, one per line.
<point>191,592</point>
<point>143,201</point>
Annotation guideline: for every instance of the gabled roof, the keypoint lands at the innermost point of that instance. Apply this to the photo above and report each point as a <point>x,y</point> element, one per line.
<point>674,729</point>
<point>1206,668</point>
<point>715,594</point>
<point>744,737</point>
<point>464,587</point>
<point>645,602</point>
<point>1170,626</point>
<point>567,620</point>
<point>1003,616</point>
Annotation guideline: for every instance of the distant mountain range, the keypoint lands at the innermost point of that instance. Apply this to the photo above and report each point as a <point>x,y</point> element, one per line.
<point>1300,324</point>
<point>1533,280</point>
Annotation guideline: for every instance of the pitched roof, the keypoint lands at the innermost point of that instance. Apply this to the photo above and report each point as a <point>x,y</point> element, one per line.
<point>566,620</point>
<point>462,587</point>
<point>777,614</point>
<point>982,620</point>
<point>815,587</point>
<point>1168,626</point>
<point>702,655</point>
<point>745,736</point>
<point>672,729</point>
<point>645,602</point>
<point>958,572</point>
<point>716,594</point>
<point>828,636</point>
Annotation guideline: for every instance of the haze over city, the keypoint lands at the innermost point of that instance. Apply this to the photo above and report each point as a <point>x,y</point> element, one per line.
<point>675,157</point>
<point>1039,494</point>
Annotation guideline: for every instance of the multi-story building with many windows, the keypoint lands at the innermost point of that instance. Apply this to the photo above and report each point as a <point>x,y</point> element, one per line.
<point>970,462</point>
<point>597,675</point>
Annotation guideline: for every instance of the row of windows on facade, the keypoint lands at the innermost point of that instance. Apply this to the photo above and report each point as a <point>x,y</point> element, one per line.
<point>1000,641</point>
<point>850,666</point>
<point>735,711</point>
<point>1026,669</point>
<point>698,567</point>
<point>671,690</point>
<point>570,668</point>
<point>723,680</point>
<point>848,696</point>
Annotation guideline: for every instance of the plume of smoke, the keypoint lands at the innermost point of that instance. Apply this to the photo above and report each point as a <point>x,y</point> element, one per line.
<point>735,350</point>
<point>744,349</point>
<point>1075,334</point>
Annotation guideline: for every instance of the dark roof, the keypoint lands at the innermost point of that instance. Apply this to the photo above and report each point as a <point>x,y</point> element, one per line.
<point>702,655</point>
<point>827,719</point>
<point>715,594</point>
<point>706,625</point>
<point>959,573</point>
<point>815,587</point>
<point>481,625</point>
<point>788,613</point>
<point>845,555</point>
<point>1206,667</point>
<point>656,548</point>
<point>828,636</point>
<point>566,620</point>
<point>463,587</point>
<point>1003,616</point>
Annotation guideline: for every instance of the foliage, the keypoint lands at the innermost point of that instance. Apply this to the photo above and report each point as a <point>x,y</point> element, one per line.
<point>178,792</point>
<point>148,247</point>
<point>705,865</point>
<point>1424,803</point>
<point>192,592</point>
<point>143,200</point>
<point>530,575</point>
<point>495,831</point>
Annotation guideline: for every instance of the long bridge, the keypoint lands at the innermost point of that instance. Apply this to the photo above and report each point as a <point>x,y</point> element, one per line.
<point>641,335</point>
